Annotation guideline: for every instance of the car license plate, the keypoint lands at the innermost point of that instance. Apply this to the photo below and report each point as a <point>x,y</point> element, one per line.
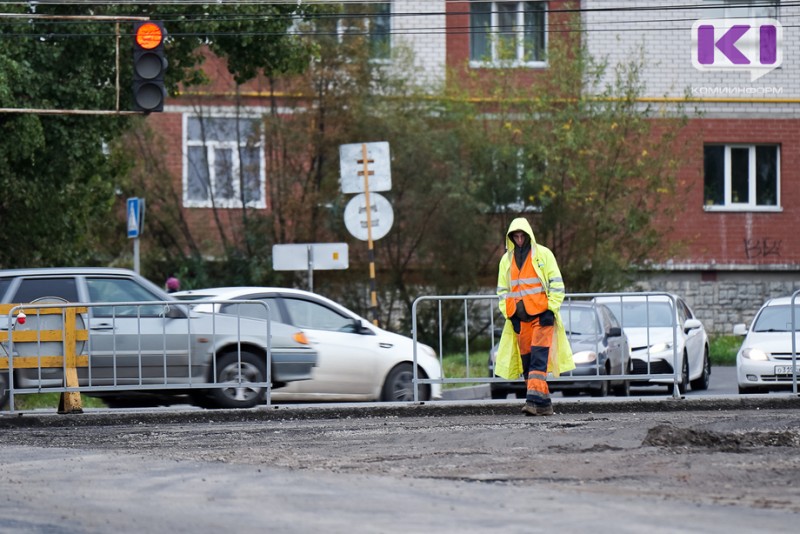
<point>786,369</point>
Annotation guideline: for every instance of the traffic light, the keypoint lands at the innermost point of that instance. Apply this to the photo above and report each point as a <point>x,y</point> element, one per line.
<point>149,65</point>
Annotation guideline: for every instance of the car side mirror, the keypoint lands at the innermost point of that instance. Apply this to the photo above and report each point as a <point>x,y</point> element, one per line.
<point>173,312</point>
<point>740,329</point>
<point>615,331</point>
<point>691,324</point>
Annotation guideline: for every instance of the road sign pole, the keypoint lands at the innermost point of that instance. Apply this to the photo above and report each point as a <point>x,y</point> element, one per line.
<point>373,293</point>
<point>136,254</point>
<point>310,268</point>
<point>135,221</point>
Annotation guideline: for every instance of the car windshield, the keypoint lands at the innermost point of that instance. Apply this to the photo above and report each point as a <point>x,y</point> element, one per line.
<point>579,321</point>
<point>777,319</point>
<point>642,314</point>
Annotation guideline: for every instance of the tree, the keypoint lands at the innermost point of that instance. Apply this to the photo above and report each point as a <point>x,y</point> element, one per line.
<point>59,185</point>
<point>592,167</point>
<point>582,159</point>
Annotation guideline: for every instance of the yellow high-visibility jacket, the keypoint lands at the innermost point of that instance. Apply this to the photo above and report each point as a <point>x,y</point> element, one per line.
<point>508,363</point>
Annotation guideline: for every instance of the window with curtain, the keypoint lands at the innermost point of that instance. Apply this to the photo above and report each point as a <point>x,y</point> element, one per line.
<point>508,32</point>
<point>741,176</point>
<point>223,163</point>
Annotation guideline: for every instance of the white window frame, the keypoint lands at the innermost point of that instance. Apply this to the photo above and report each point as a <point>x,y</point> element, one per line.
<point>750,205</point>
<point>743,9</point>
<point>493,39</point>
<point>211,147</point>
<point>344,27</point>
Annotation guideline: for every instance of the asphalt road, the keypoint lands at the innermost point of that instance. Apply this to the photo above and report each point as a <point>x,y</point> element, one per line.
<point>656,464</point>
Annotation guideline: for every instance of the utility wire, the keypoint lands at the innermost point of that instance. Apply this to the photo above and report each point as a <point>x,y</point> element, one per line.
<point>552,27</point>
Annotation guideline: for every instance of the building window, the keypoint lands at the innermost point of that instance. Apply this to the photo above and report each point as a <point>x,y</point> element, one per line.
<point>742,9</point>
<point>372,20</point>
<point>745,177</point>
<point>513,181</point>
<point>223,163</point>
<point>508,33</point>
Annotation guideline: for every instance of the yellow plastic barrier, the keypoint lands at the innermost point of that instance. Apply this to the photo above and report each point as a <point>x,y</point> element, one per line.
<point>69,336</point>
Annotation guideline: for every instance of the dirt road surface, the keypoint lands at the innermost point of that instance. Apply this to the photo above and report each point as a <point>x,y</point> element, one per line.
<point>652,465</point>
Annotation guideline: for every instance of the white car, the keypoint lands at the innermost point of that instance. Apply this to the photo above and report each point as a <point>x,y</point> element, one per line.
<point>764,361</point>
<point>357,360</point>
<point>649,321</point>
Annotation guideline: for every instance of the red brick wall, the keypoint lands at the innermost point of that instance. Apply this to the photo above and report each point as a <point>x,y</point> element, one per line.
<point>745,238</point>
<point>458,41</point>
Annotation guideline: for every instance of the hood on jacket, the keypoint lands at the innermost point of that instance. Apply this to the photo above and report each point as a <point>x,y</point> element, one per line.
<point>520,223</point>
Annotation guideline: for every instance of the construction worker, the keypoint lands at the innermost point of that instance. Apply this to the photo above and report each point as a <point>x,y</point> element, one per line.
<point>534,341</point>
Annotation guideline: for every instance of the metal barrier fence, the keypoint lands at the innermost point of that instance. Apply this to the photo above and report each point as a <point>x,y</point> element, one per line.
<point>651,369</point>
<point>152,347</point>
<point>793,303</point>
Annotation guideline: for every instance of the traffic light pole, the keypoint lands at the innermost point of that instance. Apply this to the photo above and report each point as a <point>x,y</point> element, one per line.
<point>40,111</point>
<point>117,19</point>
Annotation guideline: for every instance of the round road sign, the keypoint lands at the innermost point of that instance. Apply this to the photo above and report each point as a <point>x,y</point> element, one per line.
<point>381,216</point>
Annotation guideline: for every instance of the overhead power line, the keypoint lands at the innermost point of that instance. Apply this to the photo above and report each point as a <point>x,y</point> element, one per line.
<point>624,24</point>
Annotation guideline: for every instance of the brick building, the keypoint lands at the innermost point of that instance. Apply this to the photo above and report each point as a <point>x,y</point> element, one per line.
<point>744,150</point>
<point>743,160</point>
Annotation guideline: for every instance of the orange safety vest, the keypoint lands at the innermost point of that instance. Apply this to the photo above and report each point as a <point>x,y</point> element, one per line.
<point>527,287</point>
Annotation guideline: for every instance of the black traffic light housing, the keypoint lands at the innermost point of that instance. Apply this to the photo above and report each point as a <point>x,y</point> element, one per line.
<point>149,65</point>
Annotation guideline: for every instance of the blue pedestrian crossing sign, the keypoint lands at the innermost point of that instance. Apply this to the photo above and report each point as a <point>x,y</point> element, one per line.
<point>135,215</point>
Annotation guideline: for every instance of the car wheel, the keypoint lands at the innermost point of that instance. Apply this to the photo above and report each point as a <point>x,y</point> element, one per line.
<point>240,394</point>
<point>701,382</point>
<point>684,383</point>
<point>3,390</point>
<point>623,390</point>
<point>602,391</point>
<point>399,385</point>
<point>498,393</point>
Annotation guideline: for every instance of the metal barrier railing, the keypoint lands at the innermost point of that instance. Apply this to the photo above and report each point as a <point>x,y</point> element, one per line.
<point>648,375</point>
<point>73,348</point>
<point>794,341</point>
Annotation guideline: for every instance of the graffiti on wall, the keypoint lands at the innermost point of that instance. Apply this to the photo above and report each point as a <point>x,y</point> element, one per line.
<point>762,248</point>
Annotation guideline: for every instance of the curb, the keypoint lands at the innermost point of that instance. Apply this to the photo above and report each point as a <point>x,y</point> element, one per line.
<point>368,410</point>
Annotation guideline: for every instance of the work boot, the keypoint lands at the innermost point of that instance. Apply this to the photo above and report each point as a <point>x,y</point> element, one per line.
<point>529,409</point>
<point>545,410</point>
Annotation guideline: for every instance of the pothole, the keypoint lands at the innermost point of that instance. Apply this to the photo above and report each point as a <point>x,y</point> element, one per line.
<point>671,436</point>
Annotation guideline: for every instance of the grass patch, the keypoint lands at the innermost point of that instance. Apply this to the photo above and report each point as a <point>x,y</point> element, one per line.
<point>723,349</point>
<point>37,401</point>
<point>455,366</point>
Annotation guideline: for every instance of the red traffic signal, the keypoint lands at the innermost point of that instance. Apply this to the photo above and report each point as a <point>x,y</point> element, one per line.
<point>149,66</point>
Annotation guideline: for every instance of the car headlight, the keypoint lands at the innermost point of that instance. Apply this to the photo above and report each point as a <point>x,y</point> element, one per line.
<point>661,347</point>
<point>755,354</point>
<point>427,350</point>
<point>585,356</point>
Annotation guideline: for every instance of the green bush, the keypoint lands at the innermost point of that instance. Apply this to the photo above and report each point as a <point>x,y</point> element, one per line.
<point>723,349</point>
